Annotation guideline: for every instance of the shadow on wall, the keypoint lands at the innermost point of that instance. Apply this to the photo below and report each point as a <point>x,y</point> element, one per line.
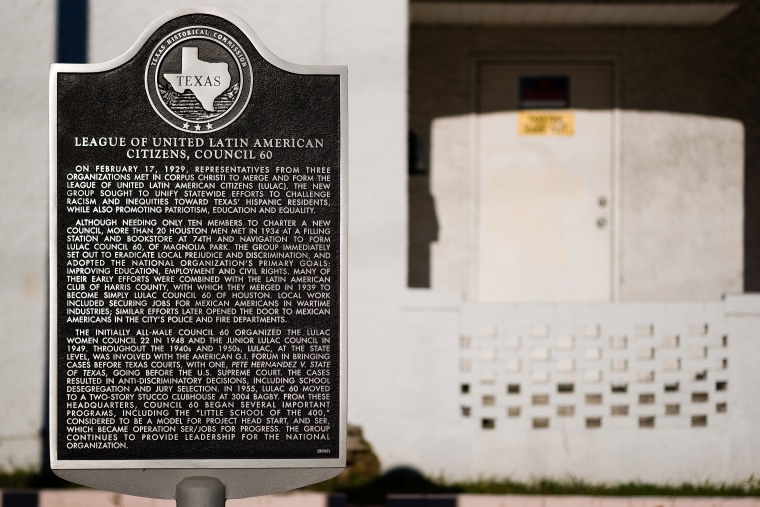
<point>423,223</point>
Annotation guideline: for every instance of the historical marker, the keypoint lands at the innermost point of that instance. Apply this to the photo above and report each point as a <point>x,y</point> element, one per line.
<point>198,304</point>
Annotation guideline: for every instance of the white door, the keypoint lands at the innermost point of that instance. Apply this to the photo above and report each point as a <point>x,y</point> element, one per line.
<point>544,169</point>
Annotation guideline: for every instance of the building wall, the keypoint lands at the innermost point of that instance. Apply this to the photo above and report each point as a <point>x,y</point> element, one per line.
<point>683,150</point>
<point>28,50</point>
<point>681,212</point>
<point>686,230</point>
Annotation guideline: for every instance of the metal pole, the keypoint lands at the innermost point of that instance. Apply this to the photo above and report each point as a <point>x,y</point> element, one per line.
<point>200,492</point>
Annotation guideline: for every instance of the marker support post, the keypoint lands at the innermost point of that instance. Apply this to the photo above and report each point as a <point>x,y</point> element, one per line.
<point>200,492</point>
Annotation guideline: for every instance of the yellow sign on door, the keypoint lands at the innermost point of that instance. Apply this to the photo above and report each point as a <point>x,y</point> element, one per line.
<point>545,123</point>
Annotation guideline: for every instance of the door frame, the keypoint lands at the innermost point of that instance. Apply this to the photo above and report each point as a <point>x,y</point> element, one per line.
<point>613,60</point>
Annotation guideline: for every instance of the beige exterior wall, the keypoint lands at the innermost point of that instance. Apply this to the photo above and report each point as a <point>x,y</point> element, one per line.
<point>681,212</point>
<point>28,50</point>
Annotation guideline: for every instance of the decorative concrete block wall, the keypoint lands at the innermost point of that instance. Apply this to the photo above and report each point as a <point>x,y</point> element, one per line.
<point>659,392</point>
<point>615,367</point>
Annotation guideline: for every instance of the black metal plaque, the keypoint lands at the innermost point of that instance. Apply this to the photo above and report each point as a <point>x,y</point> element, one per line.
<point>198,255</point>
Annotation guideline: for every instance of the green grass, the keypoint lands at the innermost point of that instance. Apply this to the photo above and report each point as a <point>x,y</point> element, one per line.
<point>375,490</point>
<point>31,479</point>
<point>574,486</point>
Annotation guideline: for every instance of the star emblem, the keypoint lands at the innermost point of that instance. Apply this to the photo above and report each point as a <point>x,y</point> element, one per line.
<point>185,125</point>
<point>209,126</point>
<point>197,127</point>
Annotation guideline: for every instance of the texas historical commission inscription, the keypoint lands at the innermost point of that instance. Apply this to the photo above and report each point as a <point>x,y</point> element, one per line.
<point>198,255</point>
